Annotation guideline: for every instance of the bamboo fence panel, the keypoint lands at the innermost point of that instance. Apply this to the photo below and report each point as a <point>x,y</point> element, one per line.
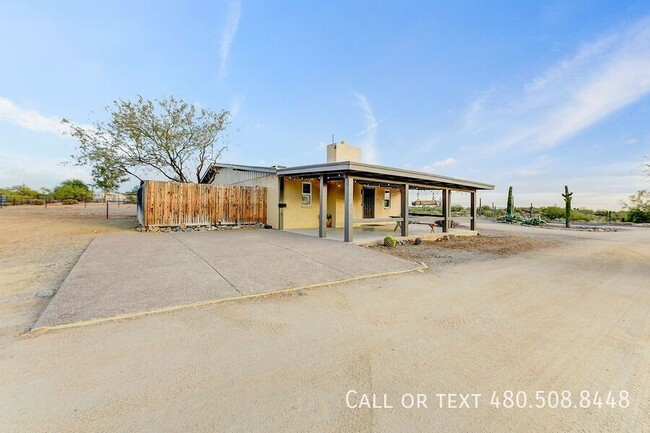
<point>173,204</point>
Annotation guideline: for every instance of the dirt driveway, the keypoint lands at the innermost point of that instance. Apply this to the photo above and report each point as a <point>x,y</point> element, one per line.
<point>572,317</point>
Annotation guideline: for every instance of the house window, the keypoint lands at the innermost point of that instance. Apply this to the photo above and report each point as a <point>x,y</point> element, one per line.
<point>386,199</point>
<point>306,193</point>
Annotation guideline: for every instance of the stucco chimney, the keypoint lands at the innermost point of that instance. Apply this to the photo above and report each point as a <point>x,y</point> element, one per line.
<point>337,152</point>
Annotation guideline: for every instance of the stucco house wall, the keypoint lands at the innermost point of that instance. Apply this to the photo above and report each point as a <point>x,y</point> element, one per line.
<point>297,216</point>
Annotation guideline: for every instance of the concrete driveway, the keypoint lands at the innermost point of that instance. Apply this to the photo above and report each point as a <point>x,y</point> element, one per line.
<point>134,274</point>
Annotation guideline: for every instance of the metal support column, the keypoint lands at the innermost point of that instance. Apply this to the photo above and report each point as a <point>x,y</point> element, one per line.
<point>446,198</point>
<point>349,193</point>
<point>472,210</point>
<point>322,219</point>
<point>405,210</point>
<point>281,203</point>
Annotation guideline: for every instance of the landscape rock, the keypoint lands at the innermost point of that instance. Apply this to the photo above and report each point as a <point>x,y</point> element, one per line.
<point>47,293</point>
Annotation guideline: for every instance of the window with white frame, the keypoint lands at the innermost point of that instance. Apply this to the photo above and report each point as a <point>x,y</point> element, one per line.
<point>386,199</point>
<point>306,193</point>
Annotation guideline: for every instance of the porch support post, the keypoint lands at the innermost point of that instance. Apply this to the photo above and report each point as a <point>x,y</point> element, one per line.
<point>472,224</point>
<point>405,209</point>
<point>349,193</point>
<point>322,219</point>
<point>281,200</point>
<point>446,198</point>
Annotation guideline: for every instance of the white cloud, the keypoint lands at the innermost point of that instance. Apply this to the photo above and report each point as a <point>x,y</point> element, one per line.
<point>36,171</point>
<point>442,163</point>
<point>369,133</point>
<point>528,171</point>
<point>29,119</point>
<point>228,36</point>
<point>471,120</point>
<point>601,78</point>
<point>631,141</point>
<point>236,105</point>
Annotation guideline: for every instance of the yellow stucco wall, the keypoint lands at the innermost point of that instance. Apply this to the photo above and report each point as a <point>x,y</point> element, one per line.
<point>380,212</point>
<point>297,216</point>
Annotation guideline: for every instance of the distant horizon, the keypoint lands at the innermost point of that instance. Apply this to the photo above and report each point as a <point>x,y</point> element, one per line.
<point>534,96</point>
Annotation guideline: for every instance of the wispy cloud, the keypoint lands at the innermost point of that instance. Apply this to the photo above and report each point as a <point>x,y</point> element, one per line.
<point>236,105</point>
<point>369,133</point>
<point>442,163</point>
<point>601,78</point>
<point>528,171</point>
<point>29,119</point>
<point>228,35</point>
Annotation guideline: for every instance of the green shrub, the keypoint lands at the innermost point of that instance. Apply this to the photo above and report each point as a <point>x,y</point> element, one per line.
<point>581,215</point>
<point>553,212</point>
<point>69,201</point>
<point>37,202</point>
<point>390,242</point>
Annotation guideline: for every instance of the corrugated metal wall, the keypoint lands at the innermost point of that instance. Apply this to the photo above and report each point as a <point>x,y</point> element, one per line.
<point>229,176</point>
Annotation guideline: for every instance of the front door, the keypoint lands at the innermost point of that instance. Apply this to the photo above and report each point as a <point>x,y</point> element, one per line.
<point>368,202</point>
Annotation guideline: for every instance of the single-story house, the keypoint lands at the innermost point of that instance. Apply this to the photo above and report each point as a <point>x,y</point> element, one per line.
<point>343,192</point>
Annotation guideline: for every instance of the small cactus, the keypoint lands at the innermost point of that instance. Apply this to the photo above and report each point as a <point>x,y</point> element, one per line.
<point>390,242</point>
<point>567,208</point>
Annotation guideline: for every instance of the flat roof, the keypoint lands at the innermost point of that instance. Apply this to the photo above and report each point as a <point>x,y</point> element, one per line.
<point>379,172</point>
<point>245,167</point>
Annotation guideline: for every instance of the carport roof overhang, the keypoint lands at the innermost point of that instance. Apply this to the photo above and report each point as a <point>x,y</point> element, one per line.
<point>334,170</point>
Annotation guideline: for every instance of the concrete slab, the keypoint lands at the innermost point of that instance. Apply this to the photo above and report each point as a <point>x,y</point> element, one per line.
<point>137,273</point>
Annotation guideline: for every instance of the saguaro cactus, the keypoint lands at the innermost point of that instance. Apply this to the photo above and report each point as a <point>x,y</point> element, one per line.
<point>567,208</point>
<point>509,208</point>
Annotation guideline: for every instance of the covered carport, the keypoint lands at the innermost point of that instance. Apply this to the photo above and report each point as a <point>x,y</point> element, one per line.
<point>349,174</point>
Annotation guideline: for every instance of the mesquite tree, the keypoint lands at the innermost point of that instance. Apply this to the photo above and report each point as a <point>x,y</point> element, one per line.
<point>168,137</point>
<point>567,208</point>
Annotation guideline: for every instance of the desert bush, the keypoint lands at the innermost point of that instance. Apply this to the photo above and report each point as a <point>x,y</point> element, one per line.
<point>37,202</point>
<point>638,208</point>
<point>553,212</point>
<point>417,241</point>
<point>581,215</point>
<point>458,210</point>
<point>390,242</point>
<point>69,201</point>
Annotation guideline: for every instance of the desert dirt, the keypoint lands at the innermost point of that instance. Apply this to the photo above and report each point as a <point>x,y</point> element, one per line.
<point>519,309</point>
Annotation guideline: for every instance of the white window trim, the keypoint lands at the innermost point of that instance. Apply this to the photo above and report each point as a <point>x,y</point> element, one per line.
<point>390,199</point>
<point>302,195</point>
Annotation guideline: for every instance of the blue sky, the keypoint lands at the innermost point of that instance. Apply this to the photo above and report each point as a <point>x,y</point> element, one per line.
<point>534,95</point>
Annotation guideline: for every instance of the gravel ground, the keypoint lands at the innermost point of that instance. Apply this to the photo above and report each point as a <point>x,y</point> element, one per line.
<point>440,253</point>
<point>39,247</point>
<point>572,316</point>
